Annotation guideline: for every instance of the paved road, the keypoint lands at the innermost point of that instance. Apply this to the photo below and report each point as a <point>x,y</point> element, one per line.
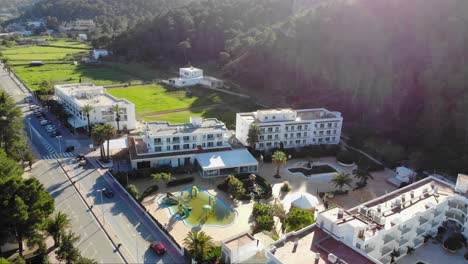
<point>93,241</point>
<point>121,216</point>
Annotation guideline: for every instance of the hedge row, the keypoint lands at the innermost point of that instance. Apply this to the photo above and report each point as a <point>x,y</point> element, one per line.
<point>180,181</point>
<point>314,151</point>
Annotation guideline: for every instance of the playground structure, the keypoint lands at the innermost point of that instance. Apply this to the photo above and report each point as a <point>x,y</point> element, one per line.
<point>198,207</point>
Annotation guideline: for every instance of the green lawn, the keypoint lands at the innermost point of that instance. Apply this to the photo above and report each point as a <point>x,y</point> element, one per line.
<point>155,98</point>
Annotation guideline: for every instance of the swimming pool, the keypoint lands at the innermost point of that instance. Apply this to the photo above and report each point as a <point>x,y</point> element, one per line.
<point>193,209</point>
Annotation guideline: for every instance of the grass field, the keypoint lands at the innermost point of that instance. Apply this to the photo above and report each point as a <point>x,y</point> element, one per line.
<point>58,68</point>
<point>201,102</point>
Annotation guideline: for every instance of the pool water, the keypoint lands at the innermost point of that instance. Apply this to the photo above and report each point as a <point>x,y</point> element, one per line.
<point>222,214</point>
<point>316,169</point>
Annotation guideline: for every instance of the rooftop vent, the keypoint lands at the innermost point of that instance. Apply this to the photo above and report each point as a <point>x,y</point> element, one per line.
<point>340,214</point>
<point>363,210</point>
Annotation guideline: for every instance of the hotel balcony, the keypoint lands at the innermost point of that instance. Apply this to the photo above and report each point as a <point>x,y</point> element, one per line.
<point>386,250</point>
<point>388,238</point>
<point>403,241</point>
<point>423,220</point>
<point>420,231</point>
<point>369,248</point>
<point>418,241</point>
<point>434,223</point>
<point>404,229</point>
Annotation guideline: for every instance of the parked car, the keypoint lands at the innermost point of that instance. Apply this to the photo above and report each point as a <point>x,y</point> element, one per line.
<point>80,157</point>
<point>82,162</point>
<point>45,122</point>
<point>158,247</point>
<point>108,193</point>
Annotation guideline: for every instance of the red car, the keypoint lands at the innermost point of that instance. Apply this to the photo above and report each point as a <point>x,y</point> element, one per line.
<point>158,247</point>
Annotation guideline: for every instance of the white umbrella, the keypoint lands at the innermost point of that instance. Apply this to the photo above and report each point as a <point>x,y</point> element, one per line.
<point>301,200</point>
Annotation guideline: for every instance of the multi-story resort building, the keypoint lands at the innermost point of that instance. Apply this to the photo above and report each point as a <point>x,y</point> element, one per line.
<point>290,128</point>
<point>75,96</point>
<point>201,144</point>
<point>369,233</point>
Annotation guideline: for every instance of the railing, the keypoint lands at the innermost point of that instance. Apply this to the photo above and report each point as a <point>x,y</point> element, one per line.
<point>417,242</point>
<point>403,241</point>
<point>423,220</point>
<point>369,249</point>
<point>420,231</point>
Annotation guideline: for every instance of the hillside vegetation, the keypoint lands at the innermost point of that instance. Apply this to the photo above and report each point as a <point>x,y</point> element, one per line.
<point>396,69</point>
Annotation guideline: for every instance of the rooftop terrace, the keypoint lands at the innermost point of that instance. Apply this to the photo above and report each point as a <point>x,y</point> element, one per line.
<point>208,125</point>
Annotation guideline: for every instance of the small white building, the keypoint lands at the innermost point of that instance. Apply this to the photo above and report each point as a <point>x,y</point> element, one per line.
<point>82,37</point>
<point>78,25</point>
<point>191,76</point>
<point>100,53</point>
<point>290,128</point>
<point>74,96</point>
<point>201,145</point>
<point>240,248</point>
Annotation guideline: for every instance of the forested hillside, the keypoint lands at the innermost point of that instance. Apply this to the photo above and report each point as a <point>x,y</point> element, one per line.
<point>396,69</point>
<point>111,16</point>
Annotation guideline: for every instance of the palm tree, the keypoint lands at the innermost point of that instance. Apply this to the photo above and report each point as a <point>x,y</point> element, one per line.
<point>341,179</point>
<point>116,110</point>
<point>67,251</point>
<point>252,136</point>
<point>198,244</point>
<point>279,158</point>
<point>362,174</point>
<point>87,109</point>
<point>108,131</point>
<point>56,226</point>
<point>98,136</point>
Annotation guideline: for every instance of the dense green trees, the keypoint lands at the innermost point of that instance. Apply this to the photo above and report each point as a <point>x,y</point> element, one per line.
<point>297,219</point>
<point>199,244</point>
<point>12,138</point>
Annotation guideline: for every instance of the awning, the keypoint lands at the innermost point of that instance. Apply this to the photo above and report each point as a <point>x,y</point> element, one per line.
<point>226,159</point>
<point>301,200</point>
<point>76,122</point>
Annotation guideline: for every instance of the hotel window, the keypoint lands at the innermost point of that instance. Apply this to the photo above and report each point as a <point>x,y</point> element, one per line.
<point>219,143</point>
<point>219,135</point>
<point>328,132</point>
<point>329,124</point>
<point>298,134</point>
<point>292,128</point>
<point>299,127</point>
<point>157,149</point>
<point>298,142</point>
<point>266,117</point>
<point>320,140</point>
<point>305,134</point>
<point>290,142</point>
<point>176,147</point>
<point>268,144</point>
<point>322,125</point>
<point>175,139</point>
<point>262,130</point>
<point>168,148</point>
<point>313,139</point>
<point>157,141</point>
<point>194,138</point>
<point>168,140</point>
<point>276,129</point>
<point>261,145</point>
<point>327,139</point>
<point>186,138</point>
<point>303,141</point>
<point>204,144</point>
<point>270,129</point>
<point>270,137</point>
<point>334,138</point>
<point>274,117</point>
<point>186,146</point>
<point>253,168</point>
<point>210,136</point>
<point>306,127</point>
<point>276,136</point>
<point>287,128</point>
<point>285,135</point>
<point>194,146</point>
<point>336,124</point>
<point>334,132</point>
<point>275,144</point>
<point>262,137</point>
<point>244,169</point>
<point>210,144</point>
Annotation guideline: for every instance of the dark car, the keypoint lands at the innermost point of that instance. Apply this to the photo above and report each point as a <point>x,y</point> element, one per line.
<point>70,149</point>
<point>108,193</point>
<point>158,247</point>
<point>80,157</point>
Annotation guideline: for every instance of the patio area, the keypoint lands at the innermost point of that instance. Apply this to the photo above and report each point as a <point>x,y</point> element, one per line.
<point>431,253</point>
<point>244,221</point>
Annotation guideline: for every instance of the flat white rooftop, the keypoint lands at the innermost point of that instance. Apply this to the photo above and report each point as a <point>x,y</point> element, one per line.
<point>190,69</point>
<point>225,159</point>
<point>88,93</point>
<point>208,125</point>
<point>300,115</point>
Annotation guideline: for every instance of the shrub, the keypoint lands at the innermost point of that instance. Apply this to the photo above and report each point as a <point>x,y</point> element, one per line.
<point>265,222</point>
<point>285,188</point>
<point>132,189</point>
<point>345,157</point>
<point>148,191</point>
<point>260,209</point>
<point>235,187</point>
<point>180,181</point>
<point>298,218</point>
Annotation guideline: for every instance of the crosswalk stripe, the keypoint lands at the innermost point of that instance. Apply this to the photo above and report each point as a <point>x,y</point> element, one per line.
<point>58,155</point>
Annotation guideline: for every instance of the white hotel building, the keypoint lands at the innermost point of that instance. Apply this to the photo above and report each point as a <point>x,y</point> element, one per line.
<point>293,128</point>
<point>392,222</point>
<point>74,96</point>
<point>201,144</point>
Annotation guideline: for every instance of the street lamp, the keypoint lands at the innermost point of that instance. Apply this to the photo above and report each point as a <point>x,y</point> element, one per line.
<point>60,146</point>
<point>102,206</point>
<point>136,244</point>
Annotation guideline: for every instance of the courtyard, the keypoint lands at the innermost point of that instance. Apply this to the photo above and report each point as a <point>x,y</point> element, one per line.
<point>243,221</point>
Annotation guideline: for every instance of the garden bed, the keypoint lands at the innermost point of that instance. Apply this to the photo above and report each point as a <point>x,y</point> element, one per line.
<point>317,169</point>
